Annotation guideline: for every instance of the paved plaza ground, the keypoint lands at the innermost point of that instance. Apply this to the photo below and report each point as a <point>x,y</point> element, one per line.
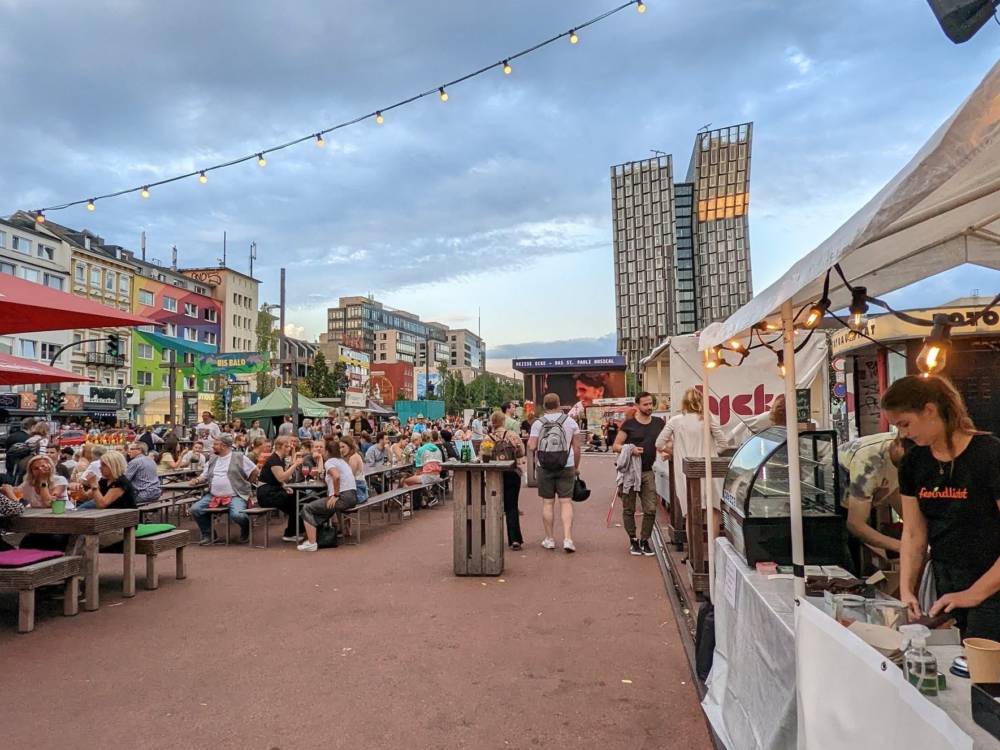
<point>375,646</point>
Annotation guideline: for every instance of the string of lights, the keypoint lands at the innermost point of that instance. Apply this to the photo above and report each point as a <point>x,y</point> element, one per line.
<point>378,116</point>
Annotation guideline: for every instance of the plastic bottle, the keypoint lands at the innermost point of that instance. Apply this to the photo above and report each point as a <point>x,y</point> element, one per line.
<point>921,666</point>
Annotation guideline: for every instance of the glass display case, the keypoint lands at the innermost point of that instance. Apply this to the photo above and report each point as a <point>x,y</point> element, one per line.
<point>756,506</point>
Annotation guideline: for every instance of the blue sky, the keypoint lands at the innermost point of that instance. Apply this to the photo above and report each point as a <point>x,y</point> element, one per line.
<point>497,200</point>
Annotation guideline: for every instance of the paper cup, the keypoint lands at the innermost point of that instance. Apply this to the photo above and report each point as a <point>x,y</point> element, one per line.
<point>983,656</point>
<point>58,506</point>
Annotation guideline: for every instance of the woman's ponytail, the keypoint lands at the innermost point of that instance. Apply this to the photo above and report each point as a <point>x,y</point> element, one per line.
<point>914,392</point>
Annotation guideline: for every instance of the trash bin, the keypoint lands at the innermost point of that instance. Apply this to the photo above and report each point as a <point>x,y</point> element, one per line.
<point>479,521</point>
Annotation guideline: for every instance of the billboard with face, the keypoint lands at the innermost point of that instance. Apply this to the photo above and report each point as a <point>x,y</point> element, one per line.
<point>574,387</point>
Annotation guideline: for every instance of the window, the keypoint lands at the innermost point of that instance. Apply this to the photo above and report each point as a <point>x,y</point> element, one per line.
<point>188,358</point>
<point>190,334</point>
<point>20,244</point>
<point>144,378</point>
<point>170,329</point>
<point>79,273</point>
<point>190,310</point>
<point>145,297</point>
<point>165,380</point>
<point>169,303</point>
<point>49,351</point>
<point>235,346</point>
<point>145,351</point>
<point>29,348</point>
<point>109,281</point>
<point>3,239</point>
<point>31,274</point>
<point>7,268</point>
<point>54,282</point>
<point>210,338</point>
<point>44,251</point>
<point>123,284</point>
<point>95,277</point>
<point>190,383</point>
<point>211,315</point>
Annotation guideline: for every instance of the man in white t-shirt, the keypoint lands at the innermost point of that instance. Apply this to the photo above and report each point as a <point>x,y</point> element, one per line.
<point>229,477</point>
<point>208,429</point>
<point>341,488</point>
<point>556,480</point>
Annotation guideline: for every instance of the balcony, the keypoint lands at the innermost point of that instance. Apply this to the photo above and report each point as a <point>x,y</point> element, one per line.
<point>104,360</point>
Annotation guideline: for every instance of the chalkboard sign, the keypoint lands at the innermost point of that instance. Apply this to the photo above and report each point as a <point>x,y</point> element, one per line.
<point>803,404</point>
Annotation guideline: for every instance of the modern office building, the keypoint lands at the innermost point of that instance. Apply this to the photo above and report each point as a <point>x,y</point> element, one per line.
<point>356,320</point>
<point>681,250</point>
<point>467,349</point>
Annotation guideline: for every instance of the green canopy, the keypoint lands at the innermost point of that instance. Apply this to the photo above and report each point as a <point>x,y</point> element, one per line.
<point>279,402</point>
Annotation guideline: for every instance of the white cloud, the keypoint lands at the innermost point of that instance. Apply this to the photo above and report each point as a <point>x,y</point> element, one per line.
<point>294,330</point>
<point>799,60</point>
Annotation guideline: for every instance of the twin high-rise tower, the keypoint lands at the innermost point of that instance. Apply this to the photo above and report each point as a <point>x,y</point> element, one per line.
<point>682,250</point>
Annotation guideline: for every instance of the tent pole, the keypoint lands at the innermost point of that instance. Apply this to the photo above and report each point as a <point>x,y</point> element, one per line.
<point>706,440</point>
<point>792,430</point>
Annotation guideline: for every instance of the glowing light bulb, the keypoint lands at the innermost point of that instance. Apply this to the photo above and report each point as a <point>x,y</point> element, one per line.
<point>261,161</point>
<point>145,191</point>
<point>713,358</point>
<point>319,140</point>
<point>859,306</point>
<point>573,38</point>
<point>782,370</point>
<point>934,356</point>
<point>39,218</point>
<point>506,68</point>
<point>378,118</point>
<point>202,178</point>
<point>90,205</point>
<point>442,93</point>
<point>640,6</point>
<point>816,313</point>
<point>737,346</point>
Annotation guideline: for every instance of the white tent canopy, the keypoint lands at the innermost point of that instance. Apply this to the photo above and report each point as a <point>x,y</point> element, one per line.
<point>940,211</point>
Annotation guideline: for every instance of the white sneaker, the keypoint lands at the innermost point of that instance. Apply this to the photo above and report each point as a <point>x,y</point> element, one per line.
<point>308,547</point>
<point>549,543</point>
<point>568,545</point>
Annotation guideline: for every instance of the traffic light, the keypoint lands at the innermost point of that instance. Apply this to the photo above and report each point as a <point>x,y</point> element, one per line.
<point>111,347</point>
<point>961,19</point>
<point>56,401</point>
<point>43,400</point>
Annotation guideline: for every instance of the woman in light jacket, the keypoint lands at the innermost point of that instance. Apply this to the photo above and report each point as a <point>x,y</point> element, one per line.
<point>682,437</point>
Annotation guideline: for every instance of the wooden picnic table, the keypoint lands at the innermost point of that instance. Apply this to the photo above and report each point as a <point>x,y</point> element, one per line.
<point>174,473</point>
<point>89,524</point>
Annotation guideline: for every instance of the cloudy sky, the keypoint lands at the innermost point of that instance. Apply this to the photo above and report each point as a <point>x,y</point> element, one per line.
<point>497,200</point>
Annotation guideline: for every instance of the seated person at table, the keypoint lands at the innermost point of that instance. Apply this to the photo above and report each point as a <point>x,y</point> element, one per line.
<point>113,490</point>
<point>272,492</point>
<point>341,493</point>
<point>165,461</point>
<point>143,473</point>
<point>40,487</point>
<point>376,455</point>
<point>52,451</point>
<point>194,458</point>
<point>428,461</point>
<point>67,461</point>
<point>91,470</point>
<point>450,451</point>
<point>868,466</point>
<point>349,452</point>
<point>230,478</point>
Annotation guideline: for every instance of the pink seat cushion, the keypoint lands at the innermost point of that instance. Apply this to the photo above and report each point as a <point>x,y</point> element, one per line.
<point>18,558</point>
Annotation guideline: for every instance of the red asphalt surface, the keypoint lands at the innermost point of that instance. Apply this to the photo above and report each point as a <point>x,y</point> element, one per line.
<point>377,646</point>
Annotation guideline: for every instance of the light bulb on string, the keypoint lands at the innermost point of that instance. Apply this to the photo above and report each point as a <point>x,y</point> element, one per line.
<point>442,94</point>
<point>816,313</point>
<point>145,191</point>
<point>39,217</point>
<point>640,6</point>
<point>573,38</point>
<point>202,177</point>
<point>737,346</point>
<point>859,306</point>
<point>767,326</point>
<point>506,68</point>
<point>378,118</point>
<point>319,140</point>
<point>261,161</point>
<point>781,364</point>
<point>713,358</point>
<point>934,356</point>
<point>90,205</point>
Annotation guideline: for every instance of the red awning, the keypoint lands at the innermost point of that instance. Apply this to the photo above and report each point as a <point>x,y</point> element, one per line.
<point>26,306</point>
<point>17,371</point>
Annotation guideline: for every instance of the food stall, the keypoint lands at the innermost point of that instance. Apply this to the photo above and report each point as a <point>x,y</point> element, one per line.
<point>940,211</point>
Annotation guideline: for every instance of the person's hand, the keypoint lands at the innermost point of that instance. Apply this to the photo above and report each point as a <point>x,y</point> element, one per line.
<point>912,603</point>
<point>958,600</point>
<point>637,449</point>
<point>331,501</point>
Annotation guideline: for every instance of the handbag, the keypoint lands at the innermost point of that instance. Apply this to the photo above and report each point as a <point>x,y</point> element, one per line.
<point>10,508</point>
<point>326,535</point>
<point>580,491</point>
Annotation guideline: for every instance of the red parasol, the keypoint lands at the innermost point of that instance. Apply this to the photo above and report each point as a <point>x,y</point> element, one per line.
<point>18,371</point>
<point>27,307</point>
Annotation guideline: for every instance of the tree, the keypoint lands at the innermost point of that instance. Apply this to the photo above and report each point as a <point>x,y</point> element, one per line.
<point>337,381</point>
<point>267,347</point>
<point>319,379</point>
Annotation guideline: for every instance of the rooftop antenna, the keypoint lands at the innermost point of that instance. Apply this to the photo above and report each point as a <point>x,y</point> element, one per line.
<point>253,256</point>
<point>704,128</point>
<point>658,152</point>
<point>223,248</point>
<point>142,243</point>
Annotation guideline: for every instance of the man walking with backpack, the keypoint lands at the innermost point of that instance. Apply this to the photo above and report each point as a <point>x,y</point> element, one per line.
<point>555,438</point>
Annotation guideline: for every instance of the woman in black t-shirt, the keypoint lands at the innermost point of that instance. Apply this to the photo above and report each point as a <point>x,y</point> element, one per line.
<point>950,487</point>
<point>114,490</point>
<point>272,492</point>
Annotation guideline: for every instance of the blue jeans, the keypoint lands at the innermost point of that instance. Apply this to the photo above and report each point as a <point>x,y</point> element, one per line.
<point>88,505</point>
<point>237,513</point>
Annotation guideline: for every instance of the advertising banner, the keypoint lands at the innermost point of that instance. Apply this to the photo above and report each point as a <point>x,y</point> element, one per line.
<point>231,363</point>
<point>355,398</point>
<point>435,381</point>
<point>575,386</point>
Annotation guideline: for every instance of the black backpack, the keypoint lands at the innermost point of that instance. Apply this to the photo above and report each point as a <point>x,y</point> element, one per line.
<point>17,458</point>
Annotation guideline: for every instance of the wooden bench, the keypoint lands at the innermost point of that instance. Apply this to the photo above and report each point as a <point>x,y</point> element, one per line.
<point>392,497</point>
<point>161,507</point>
<point>26,579</point>
<point>257,514</point>
<point>151,546</point>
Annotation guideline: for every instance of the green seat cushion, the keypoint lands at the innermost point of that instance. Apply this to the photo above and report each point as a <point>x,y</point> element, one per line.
<point>149,529</point>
